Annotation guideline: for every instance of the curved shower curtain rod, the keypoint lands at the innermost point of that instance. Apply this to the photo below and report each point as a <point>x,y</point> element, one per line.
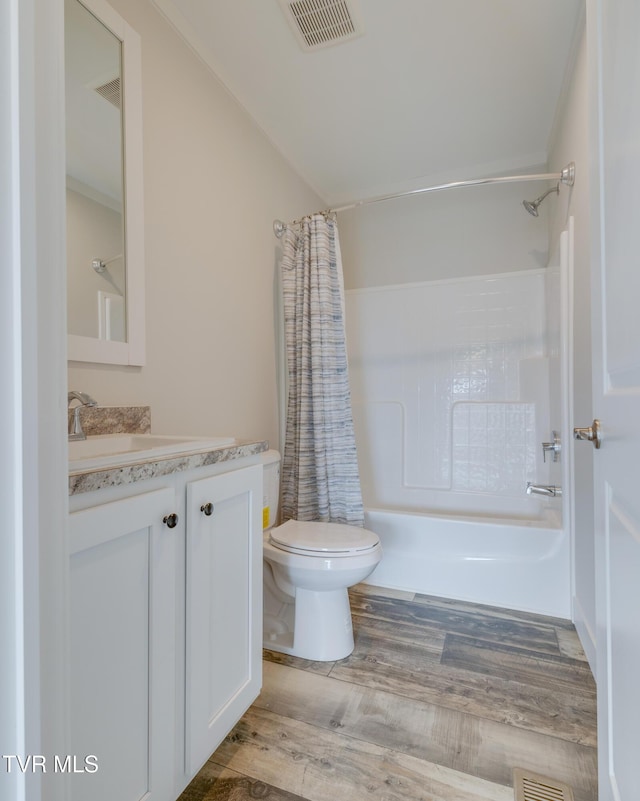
<point>566,176</point>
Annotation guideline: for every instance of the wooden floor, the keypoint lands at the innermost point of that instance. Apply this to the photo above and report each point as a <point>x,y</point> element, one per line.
<point>440,700</point>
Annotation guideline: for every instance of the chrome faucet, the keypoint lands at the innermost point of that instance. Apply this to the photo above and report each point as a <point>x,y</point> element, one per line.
<point>548,490</point>
<point>554,447</point>
<point>75,424</point>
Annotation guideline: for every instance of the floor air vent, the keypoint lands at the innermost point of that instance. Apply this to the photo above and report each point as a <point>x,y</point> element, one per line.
<point>321,23</point>
<point>530,786</point>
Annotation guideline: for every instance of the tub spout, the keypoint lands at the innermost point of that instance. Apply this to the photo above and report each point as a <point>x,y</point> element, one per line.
<point>548,490</point>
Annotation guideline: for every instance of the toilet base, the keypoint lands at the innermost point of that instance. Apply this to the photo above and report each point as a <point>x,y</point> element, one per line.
<point>322,628</point>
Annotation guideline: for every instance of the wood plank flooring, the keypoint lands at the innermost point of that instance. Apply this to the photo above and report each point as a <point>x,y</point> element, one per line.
<point>439,701</point>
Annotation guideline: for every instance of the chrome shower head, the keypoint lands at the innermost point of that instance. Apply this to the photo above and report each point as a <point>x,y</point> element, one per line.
<point>532,205</point>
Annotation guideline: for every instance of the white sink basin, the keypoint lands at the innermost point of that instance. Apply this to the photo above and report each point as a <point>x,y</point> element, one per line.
<point>115,449</point>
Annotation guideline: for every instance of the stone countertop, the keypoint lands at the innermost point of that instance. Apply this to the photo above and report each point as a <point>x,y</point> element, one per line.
<point>114,475</point>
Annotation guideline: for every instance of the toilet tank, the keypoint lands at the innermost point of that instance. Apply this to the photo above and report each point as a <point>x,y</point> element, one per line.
<point>270,488</point>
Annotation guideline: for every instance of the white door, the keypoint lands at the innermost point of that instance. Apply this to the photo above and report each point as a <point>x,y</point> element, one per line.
<point>614,39</point>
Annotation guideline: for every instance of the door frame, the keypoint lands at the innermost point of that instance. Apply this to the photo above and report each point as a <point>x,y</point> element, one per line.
<point>33,459</point>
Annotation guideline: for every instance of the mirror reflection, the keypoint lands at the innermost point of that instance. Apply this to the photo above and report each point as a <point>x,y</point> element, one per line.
<point>95,200</point>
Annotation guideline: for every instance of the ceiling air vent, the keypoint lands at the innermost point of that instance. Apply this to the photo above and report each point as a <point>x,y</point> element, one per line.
<point>111,91</point>
<point>322,23</point>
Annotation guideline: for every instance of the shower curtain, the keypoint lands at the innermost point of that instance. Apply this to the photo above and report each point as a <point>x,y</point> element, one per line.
<point>320,479</point>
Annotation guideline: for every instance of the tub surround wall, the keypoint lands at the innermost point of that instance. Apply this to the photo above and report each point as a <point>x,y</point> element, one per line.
<point>450,393</point>
<point>451,396</point>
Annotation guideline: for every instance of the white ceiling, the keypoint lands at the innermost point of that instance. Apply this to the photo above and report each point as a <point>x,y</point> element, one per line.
<point>434,90</point>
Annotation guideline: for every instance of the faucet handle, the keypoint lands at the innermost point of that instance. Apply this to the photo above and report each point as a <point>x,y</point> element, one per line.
<point>75,424</point>
<point>554,447</point>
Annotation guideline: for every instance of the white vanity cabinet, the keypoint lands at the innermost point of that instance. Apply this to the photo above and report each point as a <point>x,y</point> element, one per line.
<point>122,661</point>
<point>224,610</point>
<point>166,641</point>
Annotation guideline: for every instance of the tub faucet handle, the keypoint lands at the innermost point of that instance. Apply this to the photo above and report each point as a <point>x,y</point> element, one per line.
<point>554,447</point>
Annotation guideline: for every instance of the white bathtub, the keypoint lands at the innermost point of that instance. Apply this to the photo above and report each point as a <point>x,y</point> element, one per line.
<point>509,562</point>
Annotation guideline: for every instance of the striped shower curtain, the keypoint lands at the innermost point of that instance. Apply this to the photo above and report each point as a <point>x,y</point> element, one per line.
<point>320,479</point>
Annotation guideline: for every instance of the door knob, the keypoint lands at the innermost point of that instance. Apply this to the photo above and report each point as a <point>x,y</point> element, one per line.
<point>207,509</point>
<point>171,521</point>
<point>590,434</point>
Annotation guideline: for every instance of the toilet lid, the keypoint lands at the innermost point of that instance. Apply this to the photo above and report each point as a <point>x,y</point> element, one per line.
<point>298,536</point>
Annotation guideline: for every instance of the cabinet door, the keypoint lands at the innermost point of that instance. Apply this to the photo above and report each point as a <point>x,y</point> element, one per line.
<point>122,671</point>
<point>224,607</point>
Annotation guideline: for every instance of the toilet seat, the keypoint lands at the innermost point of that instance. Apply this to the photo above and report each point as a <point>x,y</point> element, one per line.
<point>311,538</point>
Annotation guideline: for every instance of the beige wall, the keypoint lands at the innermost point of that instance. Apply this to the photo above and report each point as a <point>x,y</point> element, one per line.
<point>213,185</point>
<point>571,143</point>
<point>451,234</point>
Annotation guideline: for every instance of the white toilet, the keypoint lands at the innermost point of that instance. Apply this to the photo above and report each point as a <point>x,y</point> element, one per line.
<point>307,569</point>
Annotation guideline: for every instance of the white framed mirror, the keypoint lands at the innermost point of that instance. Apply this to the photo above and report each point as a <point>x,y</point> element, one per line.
<point>105,234</point>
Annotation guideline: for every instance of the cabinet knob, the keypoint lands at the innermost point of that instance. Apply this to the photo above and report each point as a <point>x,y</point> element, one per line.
<point>207,508</point>
<point>171,521</point>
